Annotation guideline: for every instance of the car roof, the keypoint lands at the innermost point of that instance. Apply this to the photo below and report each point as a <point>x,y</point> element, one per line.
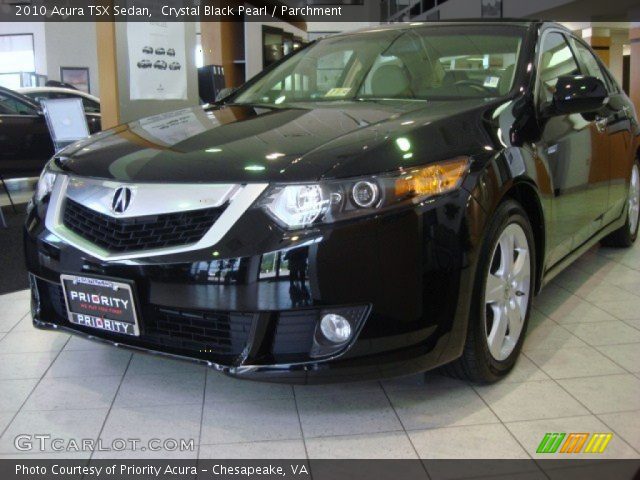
<point>461,23</point>
<point>70,91</point>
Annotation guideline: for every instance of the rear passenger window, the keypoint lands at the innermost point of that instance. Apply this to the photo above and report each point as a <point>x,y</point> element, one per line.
<point>556,60</point>
<point>590,63</point>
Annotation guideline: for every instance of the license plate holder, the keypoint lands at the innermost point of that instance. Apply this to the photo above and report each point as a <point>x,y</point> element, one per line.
<point>100,304</point>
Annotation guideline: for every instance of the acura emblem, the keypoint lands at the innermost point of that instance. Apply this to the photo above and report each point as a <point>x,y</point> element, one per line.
<point>121,200</point>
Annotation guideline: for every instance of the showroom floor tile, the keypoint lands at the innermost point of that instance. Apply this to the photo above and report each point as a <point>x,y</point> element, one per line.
<point>274,449</point>
<point>580,371</point>
<point>167,421</point>
<point>390,445</point>
<point>625,424</point>
<point>534,400</point>
<point>420,408</point>
<point>253,421</point>
<point>570,362</point>
<point>88,363</point>
<point>71,393</point>
<point>485,441</point>
<point>158,390</point>
<point>347,414</point>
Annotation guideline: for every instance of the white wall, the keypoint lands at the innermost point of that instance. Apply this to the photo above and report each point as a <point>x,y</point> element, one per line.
<point>57,44</point>
<point>35,28</point>
<point>72,44</point>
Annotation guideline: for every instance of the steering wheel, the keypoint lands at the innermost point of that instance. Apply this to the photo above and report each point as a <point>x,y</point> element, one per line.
<point>475,85</point>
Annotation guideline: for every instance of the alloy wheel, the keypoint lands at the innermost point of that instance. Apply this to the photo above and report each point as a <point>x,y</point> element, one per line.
<point>507,291</point>
<point>634,199</point>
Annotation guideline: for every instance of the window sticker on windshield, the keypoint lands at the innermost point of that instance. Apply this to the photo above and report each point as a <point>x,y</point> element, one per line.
<point>491,82</point>
<point>338,92</point>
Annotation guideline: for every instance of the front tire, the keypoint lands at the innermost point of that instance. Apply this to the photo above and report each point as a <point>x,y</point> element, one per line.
<point>502,298</point>
<point>627,234</point>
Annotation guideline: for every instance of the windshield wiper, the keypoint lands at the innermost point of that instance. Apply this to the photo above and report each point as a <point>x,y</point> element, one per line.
<point>272,106</point>
<point>382,99</point>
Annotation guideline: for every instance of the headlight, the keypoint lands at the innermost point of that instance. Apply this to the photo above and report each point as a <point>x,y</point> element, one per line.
<point>299,206</point>
<point>45,185</point>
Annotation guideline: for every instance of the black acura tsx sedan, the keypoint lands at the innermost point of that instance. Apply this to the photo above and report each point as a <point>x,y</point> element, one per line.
<point>376,204</point>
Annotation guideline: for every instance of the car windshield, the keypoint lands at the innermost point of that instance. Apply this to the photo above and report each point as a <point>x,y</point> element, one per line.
<point>421,63</point>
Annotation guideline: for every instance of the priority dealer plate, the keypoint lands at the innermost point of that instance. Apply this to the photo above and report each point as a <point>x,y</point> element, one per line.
<point>101,304</point>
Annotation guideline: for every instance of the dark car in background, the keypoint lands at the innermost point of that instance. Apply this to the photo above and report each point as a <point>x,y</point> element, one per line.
<point>160,51</point>
<point>25,142</point>
<point>147,49</point>
<point>377,204</point>
<point>175,66</point>
<point>144,63</point>
<point>171,52</point>
<point>160,65</point>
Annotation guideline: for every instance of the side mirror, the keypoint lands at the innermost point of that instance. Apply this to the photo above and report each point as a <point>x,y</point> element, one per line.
<point>579,94</point>
<point>225,92</point>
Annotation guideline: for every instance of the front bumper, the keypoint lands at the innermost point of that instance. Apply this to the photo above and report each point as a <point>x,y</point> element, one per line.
<point>250,307</point>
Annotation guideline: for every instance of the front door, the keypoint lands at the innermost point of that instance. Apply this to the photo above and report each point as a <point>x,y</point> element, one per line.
<point>616,122</point>
<point>575,151</point>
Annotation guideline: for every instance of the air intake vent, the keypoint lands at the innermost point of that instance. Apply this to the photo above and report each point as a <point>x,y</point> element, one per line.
<point>222,333</point>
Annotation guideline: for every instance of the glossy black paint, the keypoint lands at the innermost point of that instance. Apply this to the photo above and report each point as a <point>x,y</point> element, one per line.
<point>579,94</point>
<point>312,142</point>
<point>413,269</point>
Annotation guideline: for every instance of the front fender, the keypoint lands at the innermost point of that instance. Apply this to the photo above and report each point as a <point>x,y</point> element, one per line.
<point>518,173</point>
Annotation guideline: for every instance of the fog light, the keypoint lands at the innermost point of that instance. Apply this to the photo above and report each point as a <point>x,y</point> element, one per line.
<point>335,328</point>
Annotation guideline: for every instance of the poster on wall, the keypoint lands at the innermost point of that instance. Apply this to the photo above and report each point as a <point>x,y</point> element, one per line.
<point>157,57</point>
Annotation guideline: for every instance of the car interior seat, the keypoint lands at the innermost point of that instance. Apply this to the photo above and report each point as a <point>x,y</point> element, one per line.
<point>390,81</point>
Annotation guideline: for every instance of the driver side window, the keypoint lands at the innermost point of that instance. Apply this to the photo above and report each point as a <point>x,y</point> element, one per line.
<point>556,60</point>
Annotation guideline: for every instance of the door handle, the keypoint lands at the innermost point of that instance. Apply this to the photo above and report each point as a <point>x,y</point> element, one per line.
<point>601,123</point>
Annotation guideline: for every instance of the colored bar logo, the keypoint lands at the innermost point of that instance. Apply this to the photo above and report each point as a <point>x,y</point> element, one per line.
<point>574,442</point>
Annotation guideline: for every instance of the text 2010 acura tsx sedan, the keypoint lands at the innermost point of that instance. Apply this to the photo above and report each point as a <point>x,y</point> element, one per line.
<point>376,204</point>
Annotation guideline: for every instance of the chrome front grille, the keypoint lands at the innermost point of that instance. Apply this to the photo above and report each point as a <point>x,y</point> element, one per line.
<point>139,233</point>
<point>160,219</point>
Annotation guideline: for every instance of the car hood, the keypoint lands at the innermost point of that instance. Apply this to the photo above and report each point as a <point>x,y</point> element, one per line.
<point>258,144</point>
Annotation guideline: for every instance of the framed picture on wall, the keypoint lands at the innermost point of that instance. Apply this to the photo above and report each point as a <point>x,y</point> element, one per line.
<point>491,8</point>
<point>76,76</point>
